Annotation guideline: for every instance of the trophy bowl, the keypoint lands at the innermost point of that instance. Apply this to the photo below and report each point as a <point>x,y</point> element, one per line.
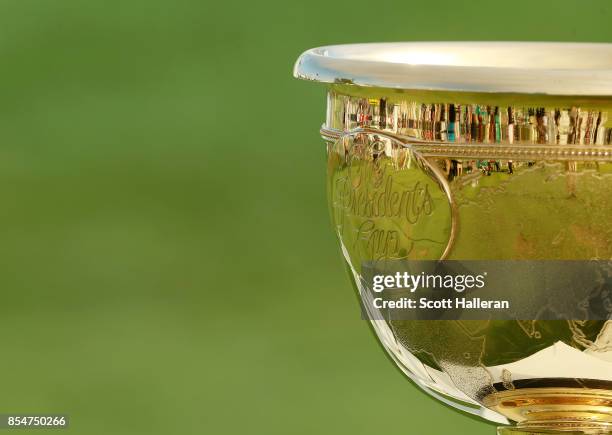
<point>481,156</point>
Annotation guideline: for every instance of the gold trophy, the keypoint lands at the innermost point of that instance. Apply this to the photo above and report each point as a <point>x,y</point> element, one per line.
<point>491,152</point>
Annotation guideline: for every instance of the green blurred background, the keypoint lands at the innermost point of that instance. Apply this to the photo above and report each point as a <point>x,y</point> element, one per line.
<point>167,262</point>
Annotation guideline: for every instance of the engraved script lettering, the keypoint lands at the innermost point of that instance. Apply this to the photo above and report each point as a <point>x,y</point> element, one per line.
<point>376,211</point>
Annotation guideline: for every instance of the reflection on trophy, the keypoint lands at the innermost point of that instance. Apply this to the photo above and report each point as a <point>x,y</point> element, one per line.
<point>480,152</point>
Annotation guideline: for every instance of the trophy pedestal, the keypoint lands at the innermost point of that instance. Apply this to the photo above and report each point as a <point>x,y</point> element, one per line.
<point>554,410</point>
<point>510,430</point>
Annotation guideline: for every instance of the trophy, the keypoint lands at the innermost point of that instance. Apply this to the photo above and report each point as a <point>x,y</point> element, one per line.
<point>490,162</point>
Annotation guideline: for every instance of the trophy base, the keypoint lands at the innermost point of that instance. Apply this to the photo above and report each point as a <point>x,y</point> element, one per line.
<point>515,430</point>
<point>554,410</point>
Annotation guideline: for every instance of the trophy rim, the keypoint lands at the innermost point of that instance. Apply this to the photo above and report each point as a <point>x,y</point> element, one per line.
<point>549,68</point>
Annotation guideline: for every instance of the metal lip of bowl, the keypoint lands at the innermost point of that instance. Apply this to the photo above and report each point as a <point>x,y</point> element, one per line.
<point>551,68</point>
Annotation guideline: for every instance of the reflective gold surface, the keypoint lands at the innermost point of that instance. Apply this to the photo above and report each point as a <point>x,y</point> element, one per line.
<point>584,409</point>
<point>392,197</point>
<point>442,152</point>
<point>424,118</point>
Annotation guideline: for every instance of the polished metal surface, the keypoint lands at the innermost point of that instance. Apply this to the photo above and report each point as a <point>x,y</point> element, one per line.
<point>522,67</point>
<point>389,202</point>
<point>547,129</point>
<point>478,151</point>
